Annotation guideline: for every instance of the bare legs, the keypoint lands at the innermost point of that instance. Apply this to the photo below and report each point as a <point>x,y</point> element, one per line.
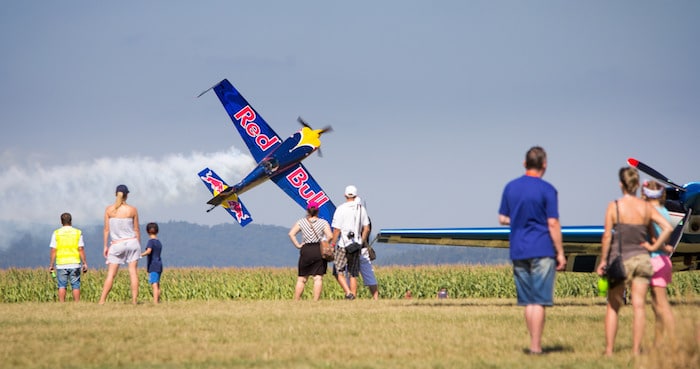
<point>665,323</point>
<point>374,291</point>
<point>156,292</point>
<point>534,318</point>
<point>62,295</point>
<point>112,270</point>
<point>614,303</point>
<point>301,282</point>
<point>615,300</point>
<point>134,280</point>
<point>344,284</point>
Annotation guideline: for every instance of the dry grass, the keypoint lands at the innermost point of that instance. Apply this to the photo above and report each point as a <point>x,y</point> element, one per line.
<point>427,333</point>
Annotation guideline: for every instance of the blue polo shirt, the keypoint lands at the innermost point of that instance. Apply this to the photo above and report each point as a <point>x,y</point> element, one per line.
<point>529,202</point>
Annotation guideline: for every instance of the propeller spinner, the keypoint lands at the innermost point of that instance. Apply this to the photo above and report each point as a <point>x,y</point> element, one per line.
<point>318,131</point>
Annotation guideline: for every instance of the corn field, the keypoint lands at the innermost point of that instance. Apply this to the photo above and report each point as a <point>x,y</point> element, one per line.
<point>208,284</point>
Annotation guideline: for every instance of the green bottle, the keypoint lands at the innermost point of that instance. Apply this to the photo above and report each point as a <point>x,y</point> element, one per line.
<point>602,286</point>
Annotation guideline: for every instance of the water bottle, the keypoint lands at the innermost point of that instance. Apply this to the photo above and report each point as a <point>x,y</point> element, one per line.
<point>602,286</point>
<point>53,274</point>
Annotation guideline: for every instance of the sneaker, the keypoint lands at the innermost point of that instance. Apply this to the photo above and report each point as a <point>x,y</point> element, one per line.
<point>349,296</point>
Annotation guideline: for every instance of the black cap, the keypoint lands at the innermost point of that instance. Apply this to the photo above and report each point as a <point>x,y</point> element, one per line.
<point>122,188</point>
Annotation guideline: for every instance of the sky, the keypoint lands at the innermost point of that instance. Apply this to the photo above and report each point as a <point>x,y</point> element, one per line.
<point>433,104</point>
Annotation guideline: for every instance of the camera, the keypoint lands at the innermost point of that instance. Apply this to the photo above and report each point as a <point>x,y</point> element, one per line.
<point>351,235</point>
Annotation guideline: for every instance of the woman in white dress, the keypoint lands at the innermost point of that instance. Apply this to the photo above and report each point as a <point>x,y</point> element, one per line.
<point>121,227</point>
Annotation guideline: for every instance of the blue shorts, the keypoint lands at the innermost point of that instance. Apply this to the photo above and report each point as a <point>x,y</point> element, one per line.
<point>63,275</point>
<point>534,281</point>
<point>154,277</point>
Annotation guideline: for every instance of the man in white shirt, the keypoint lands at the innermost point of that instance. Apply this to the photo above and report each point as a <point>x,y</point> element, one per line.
<point>350,225</point>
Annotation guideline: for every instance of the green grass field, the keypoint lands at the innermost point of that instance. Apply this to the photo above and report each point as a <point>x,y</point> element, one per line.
<point>231,318</point>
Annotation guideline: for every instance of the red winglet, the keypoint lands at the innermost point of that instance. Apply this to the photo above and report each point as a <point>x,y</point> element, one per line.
<point>633,162</point>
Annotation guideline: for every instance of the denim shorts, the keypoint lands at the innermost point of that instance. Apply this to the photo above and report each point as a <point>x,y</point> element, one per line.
<point>534,281</point>
<point>154,277</point>
<point>367,271</point>
<point>63,275</point>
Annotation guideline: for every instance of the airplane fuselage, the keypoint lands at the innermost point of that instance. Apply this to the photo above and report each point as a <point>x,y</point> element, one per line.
<point>291,152</point>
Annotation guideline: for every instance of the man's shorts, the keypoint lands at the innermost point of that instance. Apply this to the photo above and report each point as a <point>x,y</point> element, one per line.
<point>534,281</point>
<point>63,275</point>
<point>154,277</point>
<point>367,270</point>
<point>662,267</point>
<point>638,269</point>
<point>352,267</point>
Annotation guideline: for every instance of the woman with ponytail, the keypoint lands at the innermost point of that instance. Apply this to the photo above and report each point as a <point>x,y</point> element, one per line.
<point>121,228</point>
<point>627,224</point>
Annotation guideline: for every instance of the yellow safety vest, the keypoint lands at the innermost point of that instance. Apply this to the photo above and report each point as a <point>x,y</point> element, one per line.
<point>67,240</point>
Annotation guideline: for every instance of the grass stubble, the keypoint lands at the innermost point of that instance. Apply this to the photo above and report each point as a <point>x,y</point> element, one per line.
<point>421,333</point>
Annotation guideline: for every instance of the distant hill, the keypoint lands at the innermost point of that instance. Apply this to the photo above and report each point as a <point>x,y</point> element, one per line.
<point>227,245</point>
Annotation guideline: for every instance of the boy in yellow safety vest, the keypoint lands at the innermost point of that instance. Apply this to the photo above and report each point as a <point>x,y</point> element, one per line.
<point>67,257</point>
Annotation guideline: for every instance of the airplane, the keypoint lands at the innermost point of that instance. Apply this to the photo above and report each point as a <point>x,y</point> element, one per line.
<point>581,243</point>
<point>278,160</point>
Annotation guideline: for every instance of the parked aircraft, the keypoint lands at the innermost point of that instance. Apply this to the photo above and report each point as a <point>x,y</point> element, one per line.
<point>278,160</point>
<point>581,243</point>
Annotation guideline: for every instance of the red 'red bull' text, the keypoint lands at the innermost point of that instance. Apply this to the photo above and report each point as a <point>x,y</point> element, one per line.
<point>246,117</point>
<point>298,179</point>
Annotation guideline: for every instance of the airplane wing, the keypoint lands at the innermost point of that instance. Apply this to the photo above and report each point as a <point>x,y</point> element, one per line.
<point>256,133</point>
<point>581,243</point>
<point>302,188</point>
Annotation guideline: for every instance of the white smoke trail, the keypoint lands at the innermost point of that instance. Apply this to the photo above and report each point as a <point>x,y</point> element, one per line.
<point>38,194</point>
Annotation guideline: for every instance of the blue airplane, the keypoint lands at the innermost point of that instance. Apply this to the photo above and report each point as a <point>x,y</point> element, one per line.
<point>278,160</point>
<point>581,243</point>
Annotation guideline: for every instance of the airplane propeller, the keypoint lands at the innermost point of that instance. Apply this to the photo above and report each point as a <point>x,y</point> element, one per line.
<point>320,131</point>
<point>652,172</point>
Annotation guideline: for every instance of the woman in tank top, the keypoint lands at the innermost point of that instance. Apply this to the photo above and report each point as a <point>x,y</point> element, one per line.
<point>121,229</point>
<point>631,228</point>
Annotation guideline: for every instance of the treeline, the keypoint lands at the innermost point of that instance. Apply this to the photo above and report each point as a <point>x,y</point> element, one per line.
<point>225,245</point>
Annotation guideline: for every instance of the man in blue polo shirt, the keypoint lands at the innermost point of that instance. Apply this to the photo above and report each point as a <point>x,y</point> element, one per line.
<point>529,205</point>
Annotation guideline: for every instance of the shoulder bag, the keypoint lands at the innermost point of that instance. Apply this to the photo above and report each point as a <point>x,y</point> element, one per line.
<point>615,270</point>
<point>356,246</point>
<point>326,250</point>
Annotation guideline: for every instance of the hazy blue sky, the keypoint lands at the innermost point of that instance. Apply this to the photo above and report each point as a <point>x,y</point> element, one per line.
<point>433,104</point>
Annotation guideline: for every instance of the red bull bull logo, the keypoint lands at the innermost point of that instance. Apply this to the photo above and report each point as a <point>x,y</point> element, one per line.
<point>298,179</point>
<point>246,118</point>
<point>237,209</point>
<point>216,184</point>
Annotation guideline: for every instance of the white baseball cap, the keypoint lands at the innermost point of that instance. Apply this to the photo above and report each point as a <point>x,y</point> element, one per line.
<point>351,191</point>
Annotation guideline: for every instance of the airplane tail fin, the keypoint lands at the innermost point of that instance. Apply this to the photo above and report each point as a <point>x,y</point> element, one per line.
<point>224,196</point>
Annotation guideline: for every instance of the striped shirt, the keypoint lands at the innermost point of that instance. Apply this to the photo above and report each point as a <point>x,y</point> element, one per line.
<point>312,230</point>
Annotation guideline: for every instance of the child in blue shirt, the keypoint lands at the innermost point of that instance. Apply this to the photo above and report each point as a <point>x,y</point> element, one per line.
<point>155,264</point>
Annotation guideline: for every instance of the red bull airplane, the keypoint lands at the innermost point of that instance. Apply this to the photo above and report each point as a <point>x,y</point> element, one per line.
<point>581,243</point>
<point>278,160</point>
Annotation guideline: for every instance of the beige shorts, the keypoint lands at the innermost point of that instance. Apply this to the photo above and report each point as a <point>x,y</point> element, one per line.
<point>638,269</point>
<point>124,252</point>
